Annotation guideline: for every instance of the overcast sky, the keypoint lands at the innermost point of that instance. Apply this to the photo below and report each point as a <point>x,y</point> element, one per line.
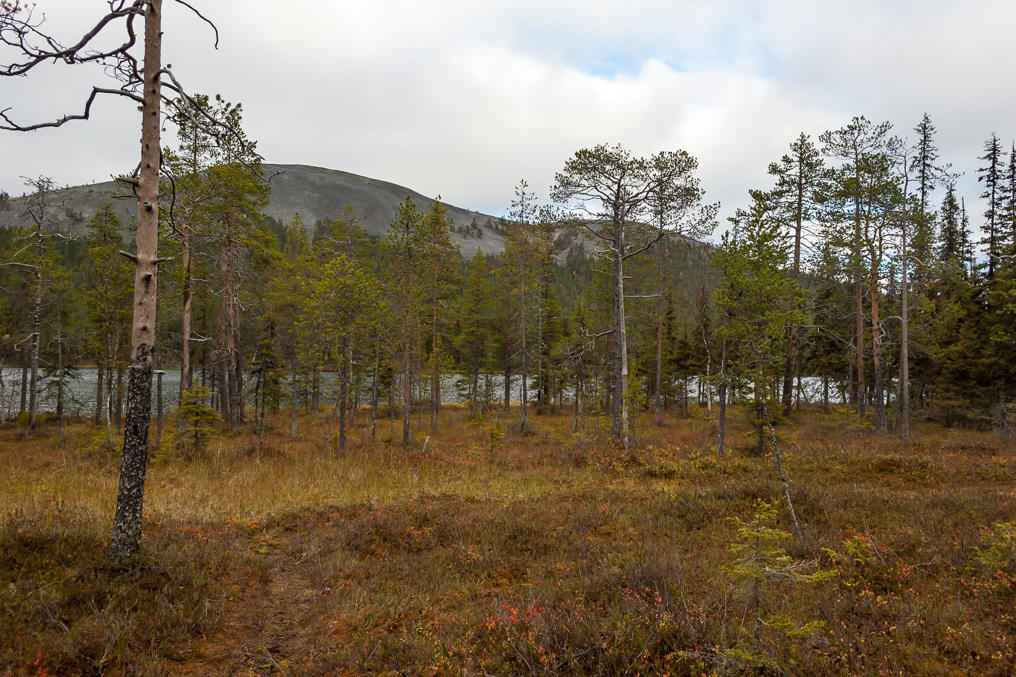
<point>464,98</point>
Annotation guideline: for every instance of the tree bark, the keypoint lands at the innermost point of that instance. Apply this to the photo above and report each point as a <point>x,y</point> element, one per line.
<point>507,380</point>
<point>127,521</point>
<point>790,366</point>
<point>435,375</point>
<point>904,382</point>
<point>524,414</point>
<point>721,427</point>
<point>407,384</point>
<point>187,320</point>
<point>292,396</point>
<point>33,346</point>
<point>620,418</point>
<point>24,381</point>
<point>59,373</point>
<point>659,330</point>
<point>97,418</point>
<point>341,406</point>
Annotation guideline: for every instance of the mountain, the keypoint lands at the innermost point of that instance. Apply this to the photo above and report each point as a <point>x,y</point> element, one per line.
<point>316,193</point>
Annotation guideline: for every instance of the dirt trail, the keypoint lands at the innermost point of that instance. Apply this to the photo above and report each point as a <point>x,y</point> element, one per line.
<point>266,624</point>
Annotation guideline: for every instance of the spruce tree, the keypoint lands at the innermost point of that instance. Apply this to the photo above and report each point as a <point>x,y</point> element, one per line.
<point>990,174</point>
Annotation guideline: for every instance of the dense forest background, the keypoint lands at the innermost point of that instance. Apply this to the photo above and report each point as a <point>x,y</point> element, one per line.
<point>859,247</point>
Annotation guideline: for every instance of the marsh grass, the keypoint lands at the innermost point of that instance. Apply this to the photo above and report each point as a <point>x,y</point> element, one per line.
<point>539,554</point>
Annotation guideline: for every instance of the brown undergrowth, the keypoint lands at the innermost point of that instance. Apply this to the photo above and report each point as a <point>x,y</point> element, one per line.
<point>548,553</point>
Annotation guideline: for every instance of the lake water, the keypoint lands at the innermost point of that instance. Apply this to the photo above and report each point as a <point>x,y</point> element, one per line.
<point>79,393</point>
<point>79,396</point>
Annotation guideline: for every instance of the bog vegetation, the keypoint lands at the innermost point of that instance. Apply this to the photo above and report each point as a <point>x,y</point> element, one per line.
<point>546,553</point>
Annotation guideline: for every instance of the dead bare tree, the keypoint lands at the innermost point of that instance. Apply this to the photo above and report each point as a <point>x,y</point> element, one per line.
<point>142,80</point>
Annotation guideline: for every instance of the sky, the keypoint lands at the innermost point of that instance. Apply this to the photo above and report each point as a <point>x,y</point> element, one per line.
<point>463,99</point>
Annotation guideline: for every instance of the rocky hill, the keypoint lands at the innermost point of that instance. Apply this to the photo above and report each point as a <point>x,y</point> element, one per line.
<point>316,193</point>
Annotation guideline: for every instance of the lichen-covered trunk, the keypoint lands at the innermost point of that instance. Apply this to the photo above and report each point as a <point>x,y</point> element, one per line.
<point>524,415</point>
<point>721,426</point>
<point>790,366</point>
<point>435,373</point>
<point>187,319</point>
<point>876,355</point>
<point>33,346</point>
<point>341,406</point>
<point>24,383</point>
<point>97,418</point>
<point>619,426</point>
<point>507,380</point>
<point>659,332</point>
<point>59,374</point>
<point>292,395</point>
<point>127,525</point>
<point>373,392</point>
<point>904,382</point>
<point>407,381</point>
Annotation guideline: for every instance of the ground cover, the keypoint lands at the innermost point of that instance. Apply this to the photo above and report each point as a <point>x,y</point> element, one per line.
<point>539,554</point>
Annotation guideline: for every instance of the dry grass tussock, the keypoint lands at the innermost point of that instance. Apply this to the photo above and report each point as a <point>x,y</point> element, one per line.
<point>494,553</point>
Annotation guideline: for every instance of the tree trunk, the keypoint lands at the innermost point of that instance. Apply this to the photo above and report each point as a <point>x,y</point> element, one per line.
<point>790,366</point>
<point>620,418</point>
<point>341,406</point>
<point>134,456</point>
<point>33,346</point>
<point>435,374</point>
<point>97,419</point>
<point>575,422</point>
<point>861,395</point>
<point>59,374</point>
<point>721,427</point>
<point>659,332</point>
<point>292,397</point>
<point>784,481</point>
<point>407,385</point>
<point>507,381</point>
<point>524,414</point>
<point>158,407</point>
<point>24,382</point>
<point>904,381</point>
<point>3,393</point>
<point>187,322</point>
<point>315,388</point>
<point>373,393</point>
<point>876,355</point>
<point>118,398</point>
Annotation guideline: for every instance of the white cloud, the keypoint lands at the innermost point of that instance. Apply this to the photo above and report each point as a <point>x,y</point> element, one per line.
<point>464,98</point>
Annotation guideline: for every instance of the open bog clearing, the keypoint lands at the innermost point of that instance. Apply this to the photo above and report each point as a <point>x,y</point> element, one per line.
<point>547,553</point>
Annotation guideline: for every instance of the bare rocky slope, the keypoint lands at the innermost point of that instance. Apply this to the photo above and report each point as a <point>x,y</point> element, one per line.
<point>313,192</point>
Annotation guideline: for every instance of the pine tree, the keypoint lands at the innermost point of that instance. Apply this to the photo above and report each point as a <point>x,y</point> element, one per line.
<point>345,300</point>
<point>521,258</point>
<point>800,178</point>
<point>475,320</point>
<point>675,203</point>
<point>108,298</point>
<point>405,290</point>
<point>859,146</point>
<point>438,259</point>
<point>756,296</point>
